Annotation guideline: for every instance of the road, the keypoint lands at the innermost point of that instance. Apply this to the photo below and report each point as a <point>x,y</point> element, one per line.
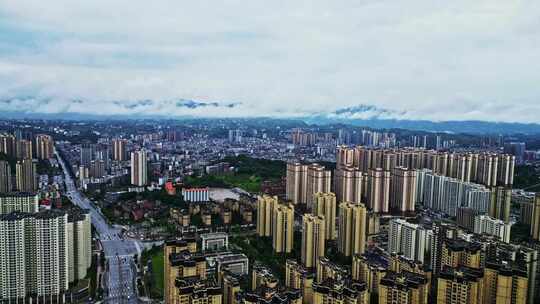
<point>121,276</point>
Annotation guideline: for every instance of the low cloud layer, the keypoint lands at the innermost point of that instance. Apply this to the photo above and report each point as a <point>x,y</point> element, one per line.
<point>434,60</point>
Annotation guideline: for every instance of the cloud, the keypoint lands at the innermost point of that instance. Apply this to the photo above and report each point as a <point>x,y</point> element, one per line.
<point>419,59</point>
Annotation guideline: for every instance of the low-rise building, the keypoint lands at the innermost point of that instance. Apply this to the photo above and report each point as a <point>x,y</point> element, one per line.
<point>196,195</point>
<point>214,241</point>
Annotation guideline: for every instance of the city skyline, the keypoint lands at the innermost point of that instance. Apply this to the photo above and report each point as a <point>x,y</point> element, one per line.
<point>262,211</point>
<point>284,152</point>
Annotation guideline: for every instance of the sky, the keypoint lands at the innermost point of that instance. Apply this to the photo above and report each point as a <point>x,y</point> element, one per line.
<point>435,60</point>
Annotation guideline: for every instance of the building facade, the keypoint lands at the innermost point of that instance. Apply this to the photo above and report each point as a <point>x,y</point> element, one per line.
<point>44,146</point>
<point>26,175</point>
<point>352,229</point>
<point>139,168</point>
<point>325,205</point>
<point>313,239</point>
<point>283,228</point>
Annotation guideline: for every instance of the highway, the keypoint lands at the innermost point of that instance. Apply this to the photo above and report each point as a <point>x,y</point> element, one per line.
<point>121,276</point>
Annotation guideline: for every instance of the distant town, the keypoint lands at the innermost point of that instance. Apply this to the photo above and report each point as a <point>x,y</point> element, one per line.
<point>249,211</point>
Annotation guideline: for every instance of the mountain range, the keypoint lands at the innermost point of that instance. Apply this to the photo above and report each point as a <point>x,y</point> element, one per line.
<point>361,115</point>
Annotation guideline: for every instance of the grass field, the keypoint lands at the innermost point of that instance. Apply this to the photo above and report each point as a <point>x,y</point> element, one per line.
<point>157,274</point>
<point>249,175</point>
<point>155,282</point>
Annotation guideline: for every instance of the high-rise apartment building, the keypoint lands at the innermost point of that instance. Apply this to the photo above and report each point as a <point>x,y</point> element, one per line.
<point>84,173</point>
<point>139,168</point>
<point>505,172</point>
<point>465,217</point>
<point>297,276</point>
<point>8,144</point>
<point>329,270</point>
<point>97,169</point>
<point>504,285</point>
<point>265,211</point>
<point>420,182</point>
<point>88,152</point>
<point>318,180</point>
<point>235,136</point>
<point>325,205</point>
<point>24,149</point>
<point>119,149</point>
<point>403,189</point>
<point>352,228</point>
<point>484,224</point>
<point>296,182</point>
<point>303,181</point>
<point>535,219</point>
<point>283,228</point>
<point>344,157</point>
<point>407,239</point>
<point>457,253</point>
<point>501,200</point>
<point>5,177</point>
<point>103,154</point>
<point>301,138</point>
<point>26,175</point>
<point>525,201</point>
<point>79,234</point>
<point>186,276</point>
<point>446,194</point>
<point>368,270</point>
<point>230,288</point>
<point>171,266</point>
<point>442,193</point>
<point>313,239</point>
<point>34,258</point>
<point>22,133</point>
<point>438,236</point>
<point>403,288</point>
<point>402,264</point>
<point>460,286</point>
<point>270,294</point>
<point>513,260</point>
<point>348,184</point>
<point>475,196</point>
<point>489,169</point>
<point>13,257</point>
<point>338,291</point>
<point>378,190</point>
<point>44,146</point>
<point>19,202</point>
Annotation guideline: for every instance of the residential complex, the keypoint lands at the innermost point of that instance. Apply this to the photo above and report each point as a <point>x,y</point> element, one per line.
<point>264,212</point>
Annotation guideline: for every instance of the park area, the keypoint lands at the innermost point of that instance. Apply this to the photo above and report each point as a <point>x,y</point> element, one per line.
<point>153,278</point>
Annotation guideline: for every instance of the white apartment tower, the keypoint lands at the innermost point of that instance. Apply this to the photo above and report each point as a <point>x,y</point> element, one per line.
<point>408,239</point>
<point>139,168</point>
<point>33,262</point>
